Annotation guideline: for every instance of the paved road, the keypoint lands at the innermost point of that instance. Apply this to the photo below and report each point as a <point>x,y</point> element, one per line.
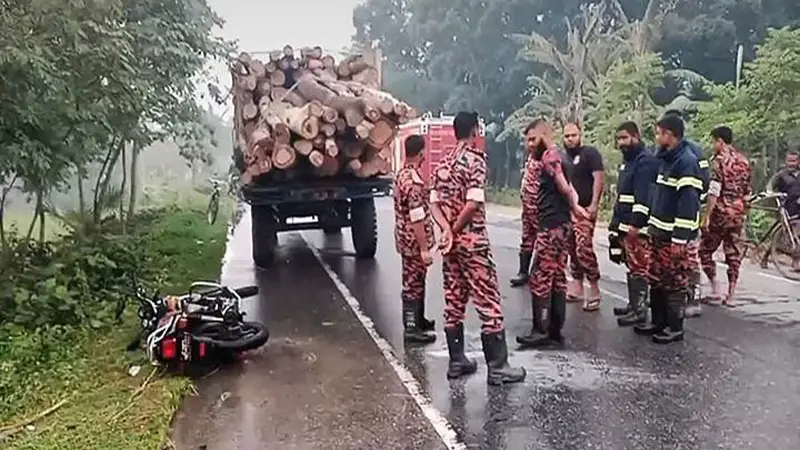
<point>336,375</point>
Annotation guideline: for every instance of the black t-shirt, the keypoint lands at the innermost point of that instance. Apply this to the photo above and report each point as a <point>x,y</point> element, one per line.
<point>788,183</point>
<point>585,161</point>
<point>554,207</point>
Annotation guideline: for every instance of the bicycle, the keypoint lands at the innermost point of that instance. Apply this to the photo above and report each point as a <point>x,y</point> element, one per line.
<point>213,203</point>
<point>780,240</point>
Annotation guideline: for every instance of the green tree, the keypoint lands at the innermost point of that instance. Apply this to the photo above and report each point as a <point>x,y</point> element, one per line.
<point>765,111</point>
<point>86,84</point>
<point>622,94</point>
<point>448,55</point>
<point>571,73</point>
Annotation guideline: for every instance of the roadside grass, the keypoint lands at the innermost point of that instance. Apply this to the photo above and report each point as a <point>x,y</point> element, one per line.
<point>504,196</point>
<point>86,371</point>
<point>20,218</point>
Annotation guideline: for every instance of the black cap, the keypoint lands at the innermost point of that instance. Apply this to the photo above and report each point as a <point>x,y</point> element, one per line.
<point>673,124</point>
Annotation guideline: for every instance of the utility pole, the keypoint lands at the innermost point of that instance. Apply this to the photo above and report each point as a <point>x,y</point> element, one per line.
<point>739,62</point>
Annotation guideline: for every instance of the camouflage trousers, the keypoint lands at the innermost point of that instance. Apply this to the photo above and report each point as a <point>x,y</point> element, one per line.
<point>414,273</point>
<point>548,273</point>
<point>583,260</point>
<point>731,240</point>
<point>529,224</point>
<point>637,256</point>
<point>471,275</point>
<point>672,267</point>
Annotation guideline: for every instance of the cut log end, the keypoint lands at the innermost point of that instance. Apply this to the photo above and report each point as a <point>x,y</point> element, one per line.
<point>316,158</point>
<point>329,114</point>
<point>382,133</point>
<point>364,128</point>
<point>283,157</point>
<point>327,129</point>
<point>303,147</point>
<point>277,78</point>
<point>249,111</point>
<point>331,149</point>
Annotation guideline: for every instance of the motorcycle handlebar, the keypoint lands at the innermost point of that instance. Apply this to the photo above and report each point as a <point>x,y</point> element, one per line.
<point>246,291</point>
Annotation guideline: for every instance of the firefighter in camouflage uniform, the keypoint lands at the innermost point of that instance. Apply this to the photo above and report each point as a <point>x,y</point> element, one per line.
<point>673,224</point>
<point>628,240</point>
<point>528,192</point>
<point>458,199</point>
<point>414,240</point>
<point>730,188</point>
<point>557,202</point>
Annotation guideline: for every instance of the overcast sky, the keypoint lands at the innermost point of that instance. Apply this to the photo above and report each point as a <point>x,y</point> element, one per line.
<point>268,24</point>
<point>263,25</point>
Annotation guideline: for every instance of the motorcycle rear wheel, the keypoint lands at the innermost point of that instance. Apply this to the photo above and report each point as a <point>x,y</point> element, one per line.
<point>239,337</point>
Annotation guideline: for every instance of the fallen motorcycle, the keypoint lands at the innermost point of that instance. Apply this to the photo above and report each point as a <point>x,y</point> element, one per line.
<point>206,322</point>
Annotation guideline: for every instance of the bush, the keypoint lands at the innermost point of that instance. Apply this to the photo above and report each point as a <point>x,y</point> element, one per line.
<point>74,281</point>
<point>60,349</point>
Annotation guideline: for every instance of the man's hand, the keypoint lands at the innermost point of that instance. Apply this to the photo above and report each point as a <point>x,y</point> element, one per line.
<point>592,210</point>
<point>580,212</point>
<point>704,224</point>
<point>632,235</point>
<point>446,241</point>
<point>426,257</point>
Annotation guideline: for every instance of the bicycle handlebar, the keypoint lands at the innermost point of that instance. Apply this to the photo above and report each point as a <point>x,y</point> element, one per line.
<point>767,195</point>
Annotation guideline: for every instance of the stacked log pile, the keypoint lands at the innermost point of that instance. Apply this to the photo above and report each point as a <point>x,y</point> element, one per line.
<point>311,116</point>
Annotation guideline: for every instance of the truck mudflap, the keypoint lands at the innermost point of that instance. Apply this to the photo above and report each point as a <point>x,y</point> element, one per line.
<point>317,191</point>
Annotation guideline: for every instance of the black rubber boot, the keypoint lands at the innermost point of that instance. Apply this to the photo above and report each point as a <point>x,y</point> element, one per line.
<point>538,329</point>
<point>524,270</point>
<point>624,310</point>
<point>673,332</point>
<point>693,307</point>
<point>459,364</point>
<point>637,292</point>
<point>412,333</point>
<point>557,316</point>
<point>495,350</point>
<point>423,323</point>
<point>658,311</point>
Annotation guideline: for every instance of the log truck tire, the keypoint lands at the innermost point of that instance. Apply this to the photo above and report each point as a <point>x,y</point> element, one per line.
<point>331,231</point>
<point>364,227</point>
<point>265,236</point>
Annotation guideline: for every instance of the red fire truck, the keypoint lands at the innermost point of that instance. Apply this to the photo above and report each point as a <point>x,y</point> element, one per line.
<point>439,137</point>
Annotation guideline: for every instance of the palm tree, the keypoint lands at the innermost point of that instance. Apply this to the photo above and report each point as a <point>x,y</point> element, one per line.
<point>560,93</point>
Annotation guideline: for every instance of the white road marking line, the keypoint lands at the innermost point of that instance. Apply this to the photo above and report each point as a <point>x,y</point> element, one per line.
<point>437,420</point>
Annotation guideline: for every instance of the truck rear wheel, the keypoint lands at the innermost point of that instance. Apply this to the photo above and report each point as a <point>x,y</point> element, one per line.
<point>265,235</point>
<point>331,231</point>
<point>364,227</point>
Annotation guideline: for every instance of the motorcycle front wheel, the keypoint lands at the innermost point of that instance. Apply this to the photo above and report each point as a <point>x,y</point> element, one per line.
<point>239,337</point>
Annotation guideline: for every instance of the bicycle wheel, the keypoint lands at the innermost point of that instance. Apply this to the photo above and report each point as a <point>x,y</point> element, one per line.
<point>213,209</point>
<point>782,251</point>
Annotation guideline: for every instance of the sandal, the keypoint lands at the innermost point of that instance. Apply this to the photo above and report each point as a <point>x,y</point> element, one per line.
<point>591,305</point>
<point>712,301</point>
<point>728,303</point>
<point>573,298</point>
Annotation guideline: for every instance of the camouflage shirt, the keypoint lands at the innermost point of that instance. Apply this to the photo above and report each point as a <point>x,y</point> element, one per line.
<point>411,206</point>
<point>460,178</point>
<point>530,178</point>
<point>731,183</point>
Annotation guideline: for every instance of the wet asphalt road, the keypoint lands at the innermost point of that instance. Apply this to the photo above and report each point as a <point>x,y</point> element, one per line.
<point>323,383</point>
